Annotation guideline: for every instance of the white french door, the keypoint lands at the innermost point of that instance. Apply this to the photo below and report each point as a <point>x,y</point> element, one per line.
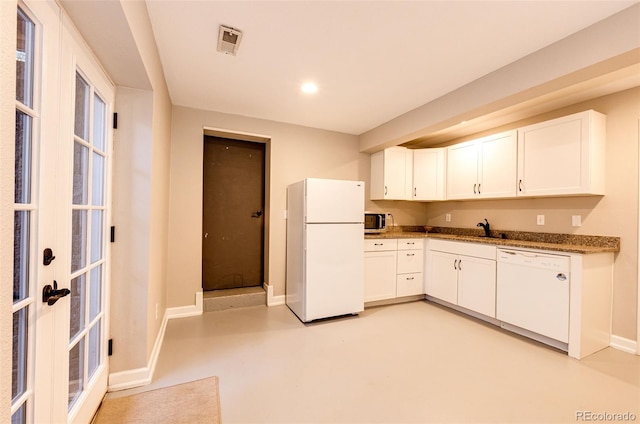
<point>61,256</point>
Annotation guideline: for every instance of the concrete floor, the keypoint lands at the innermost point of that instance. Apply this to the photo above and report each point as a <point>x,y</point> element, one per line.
<point>410,363</point>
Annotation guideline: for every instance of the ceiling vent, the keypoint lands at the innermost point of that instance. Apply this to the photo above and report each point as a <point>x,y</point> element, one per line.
<point>229,40</point>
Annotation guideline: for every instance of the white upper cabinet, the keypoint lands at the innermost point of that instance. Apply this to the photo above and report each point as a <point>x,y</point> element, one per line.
<point>392,174</point>
<point>498,165</point>
<point>560,157</point>
<point>483,168</point>
<point>564,156</point>
<point>429,174</point>
<point>462,171</point>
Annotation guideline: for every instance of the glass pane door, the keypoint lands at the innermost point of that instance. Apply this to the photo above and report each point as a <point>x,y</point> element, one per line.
<point>24,211</point>
<point>59,364</point>
<point>87,237</point>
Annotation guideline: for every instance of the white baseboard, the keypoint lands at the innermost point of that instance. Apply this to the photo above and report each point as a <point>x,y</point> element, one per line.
<point>271,299</point>
<point>142,376</point>
<point>128,379</point>
<point>187,311</point>
<point>626,345</point>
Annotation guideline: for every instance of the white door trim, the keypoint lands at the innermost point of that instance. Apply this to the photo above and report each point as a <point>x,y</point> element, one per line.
<point>638,263</point>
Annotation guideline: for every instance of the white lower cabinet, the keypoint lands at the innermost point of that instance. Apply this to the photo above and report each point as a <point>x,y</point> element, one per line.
<point>410,281</point>
<point>462,274</point>
<point>477,285</point>
<point>442,276</point>
<point>380,258</point>
<point>568,306</point>
<point>393,268</point>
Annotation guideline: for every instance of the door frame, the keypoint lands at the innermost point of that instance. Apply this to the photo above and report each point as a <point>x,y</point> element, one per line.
<point>255,138</point>
<point>8,47</point>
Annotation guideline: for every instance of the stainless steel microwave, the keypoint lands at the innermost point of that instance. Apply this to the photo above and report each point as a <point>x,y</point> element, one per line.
<point>375,222</point>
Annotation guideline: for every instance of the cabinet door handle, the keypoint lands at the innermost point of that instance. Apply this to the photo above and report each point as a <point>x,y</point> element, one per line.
<point>520,185</point>
<point>455,264</point>
<point>385,190</point>
<point>474,189</point>
<point>460,265</point>
<point>415,192</point>
<point>479,188</point>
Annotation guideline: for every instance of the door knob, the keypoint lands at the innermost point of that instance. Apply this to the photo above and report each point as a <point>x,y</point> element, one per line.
<point>256,214</point>
<point>51,294</point>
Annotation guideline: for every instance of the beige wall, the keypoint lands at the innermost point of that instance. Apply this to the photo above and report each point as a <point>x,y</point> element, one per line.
<point>131,211</point>
<point>141,202</point>
<point>7,135</point>
<point>138,18</point>
<point>295,152</point>
<point>615,214</point>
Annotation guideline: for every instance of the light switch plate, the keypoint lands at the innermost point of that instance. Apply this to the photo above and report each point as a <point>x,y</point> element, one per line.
<point>576,220</point>
<point>540,220</point>
<point>447,217</point>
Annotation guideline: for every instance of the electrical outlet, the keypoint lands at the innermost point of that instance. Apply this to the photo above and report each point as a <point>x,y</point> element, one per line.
<point>540,220</point>
<point>576,220</point>
<point>447,217</point>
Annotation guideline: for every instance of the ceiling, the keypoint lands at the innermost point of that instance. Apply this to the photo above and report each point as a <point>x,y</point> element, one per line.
<point>372,60</point>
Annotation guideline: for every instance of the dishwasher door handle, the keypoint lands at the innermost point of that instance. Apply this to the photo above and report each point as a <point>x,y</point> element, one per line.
<point>561,276</point>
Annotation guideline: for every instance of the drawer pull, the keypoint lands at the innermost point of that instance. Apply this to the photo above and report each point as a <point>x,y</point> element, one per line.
<point>411,254</point>
<point>410,242</point>
<point>411,278</point>
<point>378,244</point>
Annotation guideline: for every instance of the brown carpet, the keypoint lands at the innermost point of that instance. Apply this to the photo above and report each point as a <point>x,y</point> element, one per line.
<point>194,402</point>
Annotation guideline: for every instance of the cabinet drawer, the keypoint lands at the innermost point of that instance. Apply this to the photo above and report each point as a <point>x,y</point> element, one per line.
<point>377,245</point>
<point>410,261</point>
<point>409,284</point>
<point>410,244</point>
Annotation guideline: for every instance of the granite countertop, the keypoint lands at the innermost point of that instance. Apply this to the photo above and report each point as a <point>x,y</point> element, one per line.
<point>569,243</point>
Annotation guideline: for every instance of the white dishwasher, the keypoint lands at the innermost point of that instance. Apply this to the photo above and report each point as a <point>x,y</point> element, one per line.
<point>532,292</point>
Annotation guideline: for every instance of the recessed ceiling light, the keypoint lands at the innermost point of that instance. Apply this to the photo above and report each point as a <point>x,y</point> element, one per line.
<point>309,88</point>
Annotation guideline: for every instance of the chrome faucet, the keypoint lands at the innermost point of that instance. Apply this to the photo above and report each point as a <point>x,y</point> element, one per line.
<point>485,226</point>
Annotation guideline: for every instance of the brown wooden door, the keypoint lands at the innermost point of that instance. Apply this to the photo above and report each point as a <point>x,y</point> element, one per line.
<point>233,214</point>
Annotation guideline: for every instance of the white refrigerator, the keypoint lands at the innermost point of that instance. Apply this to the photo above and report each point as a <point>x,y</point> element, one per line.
<point>325,248</point>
